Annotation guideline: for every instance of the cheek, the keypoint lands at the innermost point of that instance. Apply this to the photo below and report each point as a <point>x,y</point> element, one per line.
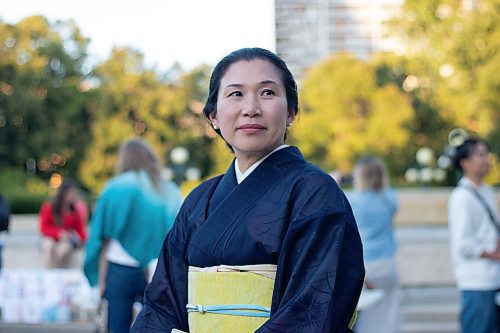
<point>225,121</point>
<point>223,111</point>
<point>282,117</point>
<point>223,118</point>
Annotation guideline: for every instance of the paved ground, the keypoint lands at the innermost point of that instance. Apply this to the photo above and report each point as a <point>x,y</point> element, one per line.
<point>423,256</point>
<point>22,248</point>
<point>430,301</point>
<point>47,328</point>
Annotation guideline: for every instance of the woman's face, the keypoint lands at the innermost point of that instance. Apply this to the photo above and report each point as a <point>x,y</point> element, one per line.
<point>252,109</point>
<point>70,198</point>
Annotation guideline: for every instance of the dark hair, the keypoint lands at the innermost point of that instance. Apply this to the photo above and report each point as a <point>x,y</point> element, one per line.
<point>248,54</point>
<point>465,150</point>
<point>57,204</point>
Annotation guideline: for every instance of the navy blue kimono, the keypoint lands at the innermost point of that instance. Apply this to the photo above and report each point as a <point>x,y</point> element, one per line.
<point>287,212</point>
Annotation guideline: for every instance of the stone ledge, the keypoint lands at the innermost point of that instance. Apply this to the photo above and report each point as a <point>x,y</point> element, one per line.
<point>426,206</point>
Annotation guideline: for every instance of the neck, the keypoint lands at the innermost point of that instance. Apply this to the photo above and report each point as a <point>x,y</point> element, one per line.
<point>245,162</point>
<point>476,180</point>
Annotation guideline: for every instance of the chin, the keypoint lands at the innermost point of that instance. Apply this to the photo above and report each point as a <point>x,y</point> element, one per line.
<point>254,149</point>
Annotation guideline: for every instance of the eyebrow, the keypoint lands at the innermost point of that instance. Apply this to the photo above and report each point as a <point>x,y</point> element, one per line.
<point>239,85</point>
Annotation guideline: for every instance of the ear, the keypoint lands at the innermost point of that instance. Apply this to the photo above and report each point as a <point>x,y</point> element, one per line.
<point>290,117</point>
<point>464,164</point>
<point>213,118</point>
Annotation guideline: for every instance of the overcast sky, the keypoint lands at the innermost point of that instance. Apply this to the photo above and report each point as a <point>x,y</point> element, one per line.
<point>190,32</point>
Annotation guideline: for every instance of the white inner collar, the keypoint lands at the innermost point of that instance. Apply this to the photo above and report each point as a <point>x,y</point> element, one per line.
<point>241,176</point>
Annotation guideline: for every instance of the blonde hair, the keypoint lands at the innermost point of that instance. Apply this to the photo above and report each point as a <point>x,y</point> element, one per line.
<point>136,154</point>
<point>370,173</point>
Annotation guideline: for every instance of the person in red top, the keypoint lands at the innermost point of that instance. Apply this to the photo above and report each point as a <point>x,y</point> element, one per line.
<point>62,225</point>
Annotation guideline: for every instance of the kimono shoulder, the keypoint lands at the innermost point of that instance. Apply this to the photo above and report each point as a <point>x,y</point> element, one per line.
<point>204,189</point>
<point>316,191</point>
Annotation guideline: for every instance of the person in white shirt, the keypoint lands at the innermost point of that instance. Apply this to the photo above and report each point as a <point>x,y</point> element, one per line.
<point>475,241</point>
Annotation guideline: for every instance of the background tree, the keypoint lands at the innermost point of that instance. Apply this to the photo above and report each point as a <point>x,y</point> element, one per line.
<point>43,103</point>
<point>428,127</point>
<point>133,101</point>
<point>347,112</point>
<point>452,54</point>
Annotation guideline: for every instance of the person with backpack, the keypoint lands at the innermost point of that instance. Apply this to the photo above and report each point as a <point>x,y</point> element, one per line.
<point>475,240</point>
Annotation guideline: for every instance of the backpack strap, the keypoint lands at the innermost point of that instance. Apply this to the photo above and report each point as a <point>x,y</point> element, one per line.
<point>483,202</point>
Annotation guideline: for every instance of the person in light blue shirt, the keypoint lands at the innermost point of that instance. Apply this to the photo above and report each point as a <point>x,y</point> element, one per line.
<point>133,214</point>
<point>374,205</point>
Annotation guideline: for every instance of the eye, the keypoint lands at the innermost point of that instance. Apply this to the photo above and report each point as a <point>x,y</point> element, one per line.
<point>235,93</point>
<point>267,92</point>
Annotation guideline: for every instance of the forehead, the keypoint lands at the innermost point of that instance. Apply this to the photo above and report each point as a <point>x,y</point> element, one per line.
<point>70,191</point>
<point>480,148</point>
<point>247,72</point>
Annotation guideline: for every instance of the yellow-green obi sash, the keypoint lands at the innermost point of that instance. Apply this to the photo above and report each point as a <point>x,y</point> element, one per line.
<point>229,298</point>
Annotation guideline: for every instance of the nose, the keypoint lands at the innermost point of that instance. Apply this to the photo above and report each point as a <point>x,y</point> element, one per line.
<point>252,107</point>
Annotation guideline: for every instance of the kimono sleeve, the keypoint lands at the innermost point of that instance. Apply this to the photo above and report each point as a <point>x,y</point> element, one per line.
<point>320,268</point>
<point>165,297</point>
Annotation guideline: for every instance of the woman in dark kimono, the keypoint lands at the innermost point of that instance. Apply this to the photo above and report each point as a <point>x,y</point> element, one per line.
<point>270,207</point>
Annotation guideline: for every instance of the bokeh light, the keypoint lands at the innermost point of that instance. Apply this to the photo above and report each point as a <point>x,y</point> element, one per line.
<point>55,180</point>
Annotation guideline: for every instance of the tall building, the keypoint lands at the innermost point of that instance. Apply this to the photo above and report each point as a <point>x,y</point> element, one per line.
<point>308,31</point>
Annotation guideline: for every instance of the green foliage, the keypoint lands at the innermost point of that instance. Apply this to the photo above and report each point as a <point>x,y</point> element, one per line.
<point>428,127</point>
<point>25,203</point>
<point>16,180</point>
<point>223,155</point>
<point>58,114</point>
<point>43,111</point>
<point>133,102</point>
<point>346,113</point>
<point>453,50</point>
<point>452,55</point>
<point>102,153</point>
<point>24,192</point>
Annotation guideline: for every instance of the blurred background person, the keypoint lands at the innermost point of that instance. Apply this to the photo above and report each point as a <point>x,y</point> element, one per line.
<point>4,224</point>
<point>132,217</point>
<point>62,225</point>
<point>340,178</point>
<point>475,240</point>
<point>374,205</point>
<point>337,176</point>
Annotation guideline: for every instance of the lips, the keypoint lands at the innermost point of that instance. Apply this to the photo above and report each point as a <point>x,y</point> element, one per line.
<point>251,126</point>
